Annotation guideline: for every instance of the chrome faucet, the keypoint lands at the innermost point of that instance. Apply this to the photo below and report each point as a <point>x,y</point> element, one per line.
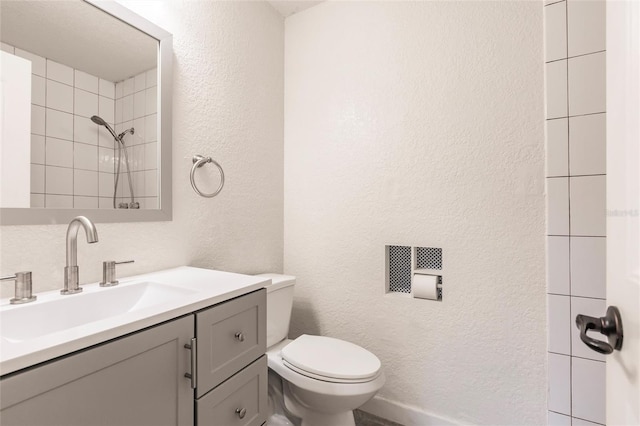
<point>71,270</point>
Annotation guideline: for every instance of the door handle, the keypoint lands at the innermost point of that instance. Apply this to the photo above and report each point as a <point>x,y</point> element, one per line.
<point>610,325</point>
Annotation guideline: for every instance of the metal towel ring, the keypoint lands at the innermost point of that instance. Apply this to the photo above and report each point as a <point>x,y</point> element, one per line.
<point>199,161</point>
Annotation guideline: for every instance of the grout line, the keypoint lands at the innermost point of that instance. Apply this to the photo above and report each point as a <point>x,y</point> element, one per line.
<point>576,115</point>
<point>590,421</point>
<point>575,56</point>
<point>577,236</point>
<point>574,176</point>
<point>566,29</point>
<point>562,414</point>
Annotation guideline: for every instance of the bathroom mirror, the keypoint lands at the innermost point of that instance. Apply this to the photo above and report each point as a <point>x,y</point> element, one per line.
<point>86,110</point>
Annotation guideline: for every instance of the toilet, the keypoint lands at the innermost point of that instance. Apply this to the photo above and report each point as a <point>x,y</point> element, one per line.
<point>313,380</point>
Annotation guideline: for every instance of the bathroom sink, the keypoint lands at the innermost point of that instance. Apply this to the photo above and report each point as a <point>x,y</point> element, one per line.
<point>44,317</point>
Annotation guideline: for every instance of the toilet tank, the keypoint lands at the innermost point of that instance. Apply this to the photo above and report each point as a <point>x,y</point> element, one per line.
<point>279,303</point>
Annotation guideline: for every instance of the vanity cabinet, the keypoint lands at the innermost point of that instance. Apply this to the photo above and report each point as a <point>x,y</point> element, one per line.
<point>145,378</point>
<point>134,380</point>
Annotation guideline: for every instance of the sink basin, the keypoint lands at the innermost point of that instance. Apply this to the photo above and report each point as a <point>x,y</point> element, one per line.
<point>43,317</point>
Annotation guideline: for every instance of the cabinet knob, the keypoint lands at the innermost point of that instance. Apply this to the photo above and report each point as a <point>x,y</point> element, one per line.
<point>239,336</point>
<point>241,412</point>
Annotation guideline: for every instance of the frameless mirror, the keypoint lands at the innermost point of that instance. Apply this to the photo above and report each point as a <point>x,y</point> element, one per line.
<point>86,110</point>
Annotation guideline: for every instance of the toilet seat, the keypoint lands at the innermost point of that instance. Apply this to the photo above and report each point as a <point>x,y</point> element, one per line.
<point>330,360</point>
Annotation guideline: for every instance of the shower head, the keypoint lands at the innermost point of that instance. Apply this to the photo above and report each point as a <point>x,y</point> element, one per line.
<point>121,135</point>
<point>100,122</point>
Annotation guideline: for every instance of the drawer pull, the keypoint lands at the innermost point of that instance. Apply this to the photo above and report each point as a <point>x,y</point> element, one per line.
<point>194,363</point>
<point>239,336</point>
<point>241,412</point>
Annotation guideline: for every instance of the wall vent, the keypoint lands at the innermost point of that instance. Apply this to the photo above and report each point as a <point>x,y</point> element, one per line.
<point>399,268</point>
<point>428,258</point>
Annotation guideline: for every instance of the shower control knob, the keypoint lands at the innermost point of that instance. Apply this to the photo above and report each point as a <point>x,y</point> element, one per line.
<point>239,336</point>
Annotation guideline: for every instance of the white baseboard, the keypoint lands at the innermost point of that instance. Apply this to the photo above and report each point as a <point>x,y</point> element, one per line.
<point>404,414</point>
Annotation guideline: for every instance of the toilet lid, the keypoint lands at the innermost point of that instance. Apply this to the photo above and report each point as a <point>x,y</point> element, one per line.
<point>331,358</point>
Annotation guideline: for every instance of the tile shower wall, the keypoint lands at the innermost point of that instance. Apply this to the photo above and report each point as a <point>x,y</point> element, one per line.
<point>72,159</point>
<point>136,107</point>
<point>576,223</point>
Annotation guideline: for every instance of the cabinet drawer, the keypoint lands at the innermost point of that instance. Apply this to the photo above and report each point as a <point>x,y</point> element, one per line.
<point>240,401</point>
<point>230,336</point>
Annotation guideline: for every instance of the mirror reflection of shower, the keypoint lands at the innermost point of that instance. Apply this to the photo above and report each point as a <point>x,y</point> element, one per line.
<point>119,138</point>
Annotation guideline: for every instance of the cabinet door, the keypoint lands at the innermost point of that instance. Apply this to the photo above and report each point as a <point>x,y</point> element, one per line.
<point>135,380</point>
<point>230,336</point>
<point>240,401</point>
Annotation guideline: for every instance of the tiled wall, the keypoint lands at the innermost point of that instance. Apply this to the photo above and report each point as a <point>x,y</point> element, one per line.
<point>576,223</point>
<point>72,159</point>
<point>136,106</point>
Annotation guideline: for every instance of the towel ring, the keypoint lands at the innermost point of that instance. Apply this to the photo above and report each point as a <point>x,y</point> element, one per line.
<point>199,161</point>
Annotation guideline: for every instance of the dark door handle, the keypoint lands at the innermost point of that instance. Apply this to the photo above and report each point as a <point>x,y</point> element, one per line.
<point>610,325</point>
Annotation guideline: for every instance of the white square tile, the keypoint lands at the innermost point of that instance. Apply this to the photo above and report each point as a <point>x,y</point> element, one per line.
<point>7,48</point>
<point>139,135</point>
<point>128,87</point>
<point>59,72</point>
<point>558,206</point>
<point>86,82</point>
<point>59,152</point>
<point>105,203</point>
<point>593,308</point>
<point>85,202</point>
<point>588,148</point>
<point>37,149</point>
<point>151,183</point>
<point>555,31</point>
<point>38,90</point>
<point>85,156</point>
<point>105,139</point>
<point>136,157</point>
<point>152,77</point>
<point>588,267</point>
<point>59,180</point>
<point>58,201</point>
<point>151,203</point>
<point>118,110</point>
<point>555,419</point>
<point>151,155</point>
<point>106,160</point>
<point>558,147</point>
<point>38,63</point>
<point>85,103</point>
<point>140,82</point>
<point>139,103</point>
<point>127,108</point>
<point>105,184</point>
<point>588,206</point>
<point>119,89</point>
<point>84,130</point>
<point>85,183</point>
<point>107,89</point>
<point>37,200</point>
<point>558,265</point>
<point>59,125</point>
<point>151,128</point>
<point>106,109</point>
<point>588,390</point>
<point>37,178</point>
<point>587,84</point>
<point>59,96</point>
<point>37,120</point>
<point>559,319</point>
<point>587,26</point>
<point>123,185</point>
<point>138,184</point>
<point>151,106</point>
<point>559,398</point>
<point>556,89</point>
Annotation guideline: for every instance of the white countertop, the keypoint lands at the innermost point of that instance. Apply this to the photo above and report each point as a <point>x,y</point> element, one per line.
<point>207,287</point>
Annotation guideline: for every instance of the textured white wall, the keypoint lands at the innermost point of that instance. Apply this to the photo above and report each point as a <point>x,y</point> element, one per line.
<point>420,123</point>
<point>228,103</point>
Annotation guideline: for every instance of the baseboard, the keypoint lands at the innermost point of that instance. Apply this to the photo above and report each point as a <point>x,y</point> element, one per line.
<point>404,414</point>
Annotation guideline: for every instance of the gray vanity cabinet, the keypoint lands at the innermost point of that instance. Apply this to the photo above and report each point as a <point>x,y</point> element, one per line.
<point>135,380</point>
<point>231,365</point>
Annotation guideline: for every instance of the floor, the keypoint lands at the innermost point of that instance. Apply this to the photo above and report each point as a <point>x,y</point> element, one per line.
<point>366,419</point>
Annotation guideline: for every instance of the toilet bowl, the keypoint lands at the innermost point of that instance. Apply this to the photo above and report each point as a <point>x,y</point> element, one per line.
<point>323,379</point>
